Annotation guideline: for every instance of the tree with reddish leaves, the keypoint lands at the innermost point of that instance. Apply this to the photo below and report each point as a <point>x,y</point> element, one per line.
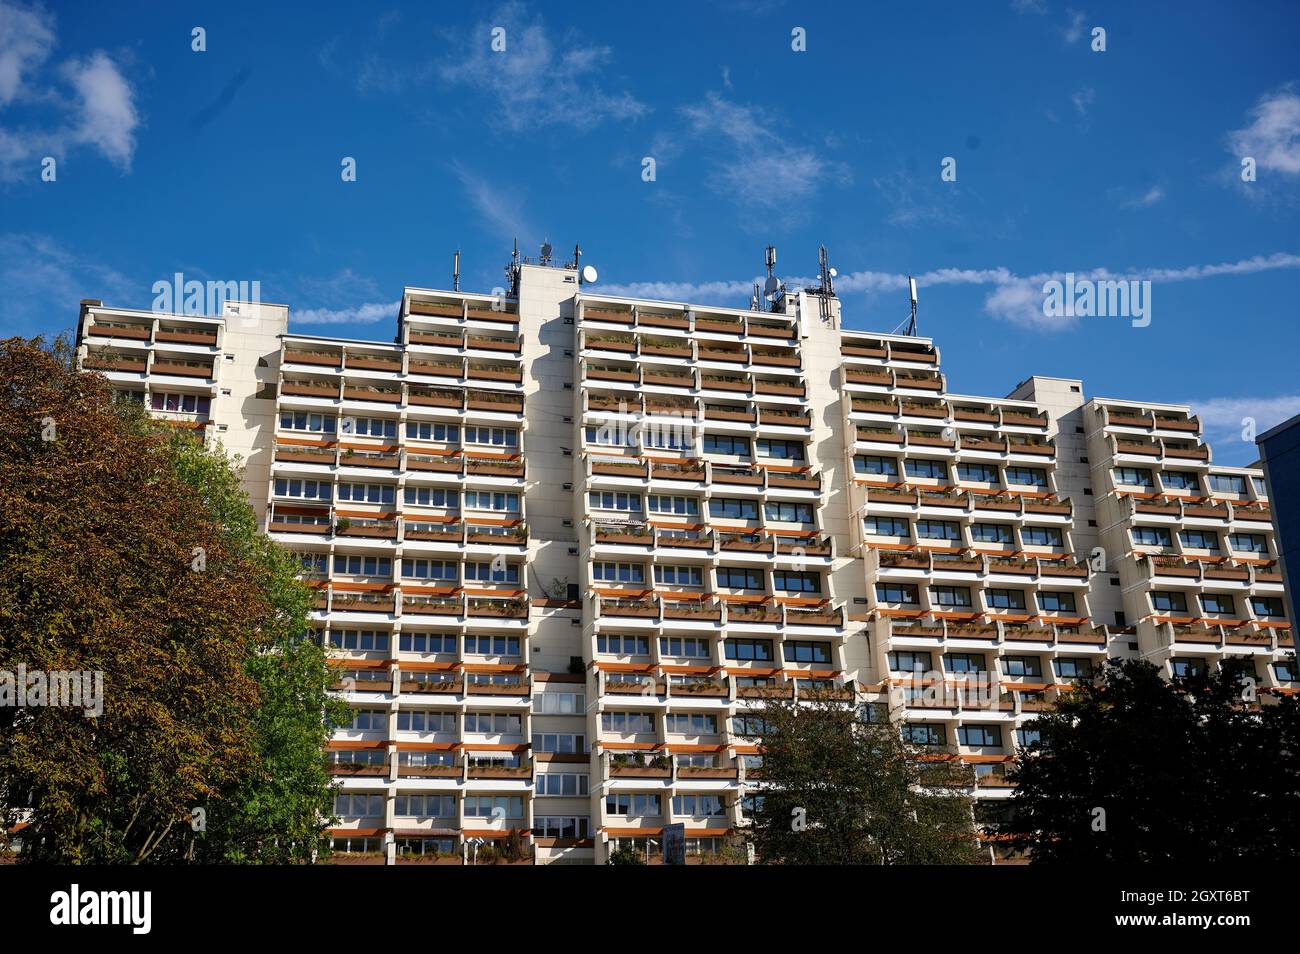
<point>127,549</point>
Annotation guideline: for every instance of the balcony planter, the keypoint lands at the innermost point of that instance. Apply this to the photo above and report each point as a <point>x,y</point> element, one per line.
<point>619,468</point>
<point>206,338</point>
<point>640,609</point>
<point>484,343</point>
<point>775,359</point>
<point>495,468</point>
<point>662,379</point>
<point>721,325</point>
<point>503,609</point>
<point>651,320</point>
<point>715,383</point>
<point>742,613</point>
<point>708,612</point>
<point>436,339</point>
<point>435,398</point>
<point>354,392</point>
<point>617,316</point>
<point>131,333</point>
<point>374,364</point>
<point>431,607</point>
<point>868,376</point>
<point>302,389</point>
<point>436,309</point>
<point>450,686</point>
<point>784,418</point>
<point>436,369</point>
<point>428,771</point>
<point>496,374</point>
<point>505,404</point>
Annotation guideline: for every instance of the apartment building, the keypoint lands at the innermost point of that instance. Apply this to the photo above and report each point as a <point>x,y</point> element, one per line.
<point>565,544</point>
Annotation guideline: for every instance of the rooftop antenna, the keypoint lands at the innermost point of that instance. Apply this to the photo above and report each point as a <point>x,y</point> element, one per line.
<point>512,270</point>
<point>455,271</point>
<point>771,287</point>
<point>911,325</point>
<point>827,287</point>
<point>546,253</point>
<point>753,302</point>
<point>577,256</point>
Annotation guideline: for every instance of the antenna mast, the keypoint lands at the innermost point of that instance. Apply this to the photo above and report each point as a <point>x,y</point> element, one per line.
<point>911,325</point>
<point>455,271</point>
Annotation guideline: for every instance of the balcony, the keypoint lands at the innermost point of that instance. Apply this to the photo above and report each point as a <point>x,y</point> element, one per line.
<point>635,609</point>
<point>627,534</point>
<point>101,329</point>
<point>754,613</point>
<point>493,467</point>
<point>372,529</point>
<point>358,392</point>
<point>509,374</point>
<point>435,463</point>
<point>636,469</point>
<point>492,401</point>
<point>183,369</point>
<point>819,616</point>
<point>625,765</point>
<point>702,611</point>
<point>289,453</point>
<point>437,339</point>
<point>691,470</point>
<point>423,397</point>
<point>723,382</point>
<point>498,608</point>
<point>374,363</point>
<point>489,343</point>
<point>436,369</point>
<point>352,457</point>
<point>726,326</point>
<point>108,362</point>
<point>432,606</point>
<point>702,687</point>
<point>190,336</point>
<point>362,602</point>
<point>710,352</point>
<point>782,417</point>
<point>522,771</point>
<point>666,348</point>
<point>316,389</point>
<point>649,319</point>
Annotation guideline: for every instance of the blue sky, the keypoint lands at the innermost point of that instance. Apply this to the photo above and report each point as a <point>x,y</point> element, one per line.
<point>225,165</point>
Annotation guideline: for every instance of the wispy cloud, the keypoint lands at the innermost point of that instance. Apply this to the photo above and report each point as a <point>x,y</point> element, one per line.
<point>1083,100</point>
<point>1149,198</point>
<point>913,201</point>
<point>537,80</point>
<point>1072,32</point>
<point>44,279</point>
<point>92,104</point>
<point>500,208</point>
<point>759,169</point>
<point>1272,137</point>
<point>1226,419</point>
<point>1029,6</point>
<point>354,315</point>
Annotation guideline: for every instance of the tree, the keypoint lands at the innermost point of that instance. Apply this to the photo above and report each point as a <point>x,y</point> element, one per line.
<point>840,790</point>
<point>124,551</point>
<point>1135,768</point>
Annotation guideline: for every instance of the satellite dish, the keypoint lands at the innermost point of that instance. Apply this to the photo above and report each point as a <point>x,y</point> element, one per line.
<point>546,250</point>
<point>589,274</point>
<point>770,286</point>
<point>835,273</point>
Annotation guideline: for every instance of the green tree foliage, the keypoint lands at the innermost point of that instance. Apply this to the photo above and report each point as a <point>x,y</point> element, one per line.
<point>842,791</point>
<point>1133,768</point>
<point>126,548</point>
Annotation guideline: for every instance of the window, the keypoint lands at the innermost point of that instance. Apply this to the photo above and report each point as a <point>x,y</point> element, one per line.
<point>1185,668</point>
<point>1027,737</point>
<point>1032,476</point>
<point>1041,536</point>
<point>733,508</point>
<point>1216,603</point>
<point>748,650</point>
<point>922,733</point>
<point>1248,543</point>
<point>363,565</point>
<point>494,806</point>
<point>623,645</point>
<point>788,512</point>
<point>990,533</point>
<point>1261,488</point>
<point>491,500</point>
<point>486,645</point>
<point>791,581</point>
<point>301,421</point>
<point>692,723</point>
<point>632,805</point>
<point>1167,601</point>
<point>562,742</point>
<point>737,578</point>
<point>1022,665</point>
<point>1227,484</point>
<point>950,596</point>
<point>1134,477</point>
<point>1056,602</point>
<point>617,572</point>
<point>963,662</point>
<point>417,720</point>
<point>496,436</point>
<point>427,643</point>
<point>1179,480</point>
<point>979,735</point>
<point>188,404</point>
<point>1199,539</point>
<point>1073,667</point>
<point>908,661</point>
<point>425,806</point>
<point>679,575</point>
<point>1285,670</point>
<point>896,593</point>
<point>749,726</point>
<point>629,723</point>
<point>667,503</point>
<point>562,783</point>
<point>608,436</point>
<point>807,652</point>
<point>1005,599</point>
<point>686,646</point>
<point>493,723</point>
<point>886,527</point>
<point>430,569</point>
<point>699,806</point>
<point>1267,606</point>
<point>429,431</point>
<point>560,703</point>
<point>932,469</point>
<point>726,444</point>
<point>367,720</point>
<point>359,806</point>
<point>305,489</point>
<point>1152,537</point>
<point>569,827</point>
<point>875,466</point>
<point>980,473</point>
<point>780,450</point>
<point>368,493</point>
<point>372,427</point>
<point>431,497</point>
<point>938,530</point>
<point>612,500</point>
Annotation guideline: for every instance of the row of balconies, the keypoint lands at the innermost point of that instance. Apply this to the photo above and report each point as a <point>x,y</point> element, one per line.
<point>982,564</point>
<point>1148,420</point>
<point>689,412</point>
<point>953,442</point>
<point>502,311</point>
<point>154,333</point>
<point>791,684</point>
<point>499,402</point>
<point>1211,635</point>
<point>409,364</point>
<point>766,326</point>
<point>969,502</point>
<point>404,528</point>
<point>1226,511</point>
<point>948,411</point>
<point>689,349</point>
<point>711,540</point>
<point>390,457</point>
<point>696,470</point>
<point>997,631</point>
<point>149,362</point>
<point>694,379</point>
<point>894,378</point>
<point>884,350</point>
<point>710,610</point>
<point>390,600</point>
<point>1158,448</point>
<point>1192,570</point>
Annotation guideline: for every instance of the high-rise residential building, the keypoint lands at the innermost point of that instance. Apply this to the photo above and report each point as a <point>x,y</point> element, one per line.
<point>565,544</point>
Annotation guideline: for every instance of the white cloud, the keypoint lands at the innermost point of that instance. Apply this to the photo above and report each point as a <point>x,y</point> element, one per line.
<point>760,170</point>
<point>1273,135</point>
<point>99,112</point>
<point>1029,6</point>
<point>1083,100</point>
<point>500,209</point>
<point>536,81</point>
<point>26,38</point>
<point>43,281</point>
<point>1149,198</point>
<point>1224,421</point>
<point>1073,30</point>
<point>359,314</point>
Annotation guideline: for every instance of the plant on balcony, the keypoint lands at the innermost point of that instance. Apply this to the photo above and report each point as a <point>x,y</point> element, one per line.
<point>1188,772</point>
<point>626,854</point>
<point>343,525</point>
